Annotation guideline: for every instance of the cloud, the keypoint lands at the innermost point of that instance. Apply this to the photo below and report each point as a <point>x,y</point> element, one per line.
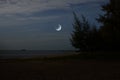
<point>10,20</point>
<point>22,12</point>
<point>31,6</point>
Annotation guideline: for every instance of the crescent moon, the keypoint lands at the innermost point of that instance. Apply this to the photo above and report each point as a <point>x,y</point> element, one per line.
<point>59,28</point>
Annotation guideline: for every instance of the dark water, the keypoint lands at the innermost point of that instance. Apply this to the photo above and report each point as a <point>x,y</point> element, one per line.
<point>8,54</point>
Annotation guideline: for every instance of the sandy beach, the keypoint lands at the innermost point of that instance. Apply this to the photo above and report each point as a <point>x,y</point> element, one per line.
<point>69,69</point>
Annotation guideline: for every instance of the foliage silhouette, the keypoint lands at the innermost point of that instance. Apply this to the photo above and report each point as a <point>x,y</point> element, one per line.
<point>110,29</point>
<point>107,38</point>
<point>84,36</point>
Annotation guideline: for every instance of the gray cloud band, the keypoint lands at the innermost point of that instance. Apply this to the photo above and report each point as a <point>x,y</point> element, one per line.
<point>31,6</point>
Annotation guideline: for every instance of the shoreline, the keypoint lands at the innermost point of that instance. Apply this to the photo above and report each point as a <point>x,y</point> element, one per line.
<point>41,57</point>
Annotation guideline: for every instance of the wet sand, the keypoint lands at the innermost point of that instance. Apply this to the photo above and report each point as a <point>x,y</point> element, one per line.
<point>70,69</point>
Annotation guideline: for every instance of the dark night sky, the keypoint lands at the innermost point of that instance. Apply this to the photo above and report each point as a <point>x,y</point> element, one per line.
<point>30,24</point>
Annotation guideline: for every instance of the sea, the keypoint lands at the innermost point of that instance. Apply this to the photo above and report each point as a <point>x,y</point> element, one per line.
<point>13,54</point>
